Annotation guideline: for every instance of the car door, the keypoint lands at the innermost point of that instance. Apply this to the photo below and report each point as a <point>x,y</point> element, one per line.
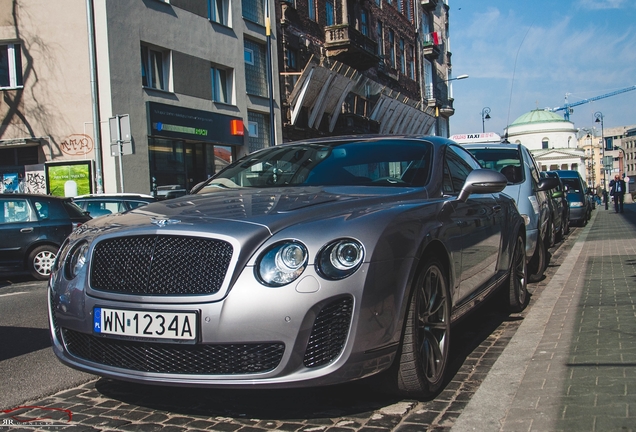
<point>480,221</point>
<point>19,228</point>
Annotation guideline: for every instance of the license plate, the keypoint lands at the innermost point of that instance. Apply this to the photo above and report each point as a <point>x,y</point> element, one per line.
<point>145,324</point>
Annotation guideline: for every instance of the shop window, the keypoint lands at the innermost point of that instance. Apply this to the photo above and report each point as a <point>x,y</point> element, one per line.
<point>254,10</point>
<point>10,66</point>
<point>155,68</point>
<point>219,11</point>
<point>255,69</point>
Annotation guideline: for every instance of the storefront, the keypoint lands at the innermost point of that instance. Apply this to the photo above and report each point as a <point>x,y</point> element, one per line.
<point>187,146</point>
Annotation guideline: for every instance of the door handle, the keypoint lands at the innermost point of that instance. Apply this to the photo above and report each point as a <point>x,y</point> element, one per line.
<point>26,230</point>
<point>496,208</point>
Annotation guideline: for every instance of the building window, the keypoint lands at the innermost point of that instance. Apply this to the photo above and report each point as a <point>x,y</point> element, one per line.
<point>219,11</point>
<point>329,8</point>
<point>400,6</point>
<point>311,4</point>
<point>255,69</point>
<point>258,130</point>
<point>409,16</point>
<point>221,85</point>
<point>364,23</point>
<point>379,33</point>
<point>545,143</point>
<point>10,66</point>
<point>290,59</point>
<point>254,10</point>
<point>378,3</point>
<point>392,48</point>
<point>428,79</point>
<point>155,68</point>
<point>411,62</point>
<point>402,58</point>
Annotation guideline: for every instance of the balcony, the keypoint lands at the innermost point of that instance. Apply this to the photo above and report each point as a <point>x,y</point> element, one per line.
<point>344,43</point>
<point>431,46</point>
<point>429,5</point>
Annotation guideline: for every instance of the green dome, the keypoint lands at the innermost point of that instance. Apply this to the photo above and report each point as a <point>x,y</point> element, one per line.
<point>538,116</point>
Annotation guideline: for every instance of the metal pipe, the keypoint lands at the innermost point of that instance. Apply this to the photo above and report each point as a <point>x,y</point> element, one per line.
<point>94,95</point>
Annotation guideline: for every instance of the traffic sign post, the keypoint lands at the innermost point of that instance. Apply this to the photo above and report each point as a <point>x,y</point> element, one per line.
<point>120,141</point>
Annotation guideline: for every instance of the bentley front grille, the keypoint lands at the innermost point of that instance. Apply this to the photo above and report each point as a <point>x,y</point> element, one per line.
<point>160,265</point>
<point>221,359</point>
<point>329,333</point>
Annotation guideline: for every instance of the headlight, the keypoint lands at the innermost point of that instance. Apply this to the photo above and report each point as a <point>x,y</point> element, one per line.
<point>282,263</point>
<point>76,260</point>
<point>340,259</point>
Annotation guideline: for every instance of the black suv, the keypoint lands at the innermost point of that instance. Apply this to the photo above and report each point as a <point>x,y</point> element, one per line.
<point>32,228</point>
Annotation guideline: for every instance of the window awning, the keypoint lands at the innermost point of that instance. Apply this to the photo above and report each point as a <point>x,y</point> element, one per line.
<point>322,88</point>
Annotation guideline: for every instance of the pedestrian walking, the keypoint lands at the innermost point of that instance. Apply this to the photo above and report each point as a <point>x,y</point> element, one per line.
<point>617,190</point>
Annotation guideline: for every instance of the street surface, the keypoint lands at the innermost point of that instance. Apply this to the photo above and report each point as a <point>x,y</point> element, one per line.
<point>72,400</point>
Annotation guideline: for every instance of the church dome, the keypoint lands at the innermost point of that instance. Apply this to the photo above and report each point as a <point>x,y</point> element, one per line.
<point>538,116</point>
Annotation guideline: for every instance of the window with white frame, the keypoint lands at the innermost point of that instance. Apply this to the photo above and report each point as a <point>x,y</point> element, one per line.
<point>379,34</point>
<point>222,85</point>
<point>254,10</point>
<point>11,66</point>
<point>219,11</point>
<point>155,68</point>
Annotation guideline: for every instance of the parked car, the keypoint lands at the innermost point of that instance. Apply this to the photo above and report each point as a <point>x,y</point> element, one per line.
<point>32,228</point>
<point>170,191</point>
<point>304,264</point>
<point>102,204</point>
<point>580,207</point>
<point>559,197</point>
<point>530,192</point>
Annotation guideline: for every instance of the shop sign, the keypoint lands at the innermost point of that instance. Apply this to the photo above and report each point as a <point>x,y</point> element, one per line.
<point>194,125</point>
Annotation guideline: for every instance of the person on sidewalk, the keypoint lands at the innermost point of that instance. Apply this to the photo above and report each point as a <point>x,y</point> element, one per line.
<point>617,190</point>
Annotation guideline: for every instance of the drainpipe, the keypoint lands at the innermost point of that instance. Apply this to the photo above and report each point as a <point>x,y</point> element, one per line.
<point>94,96</point>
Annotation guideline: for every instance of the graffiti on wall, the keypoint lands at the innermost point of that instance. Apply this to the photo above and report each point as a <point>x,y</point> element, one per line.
<point>77,145</point>
<point>34,179</point>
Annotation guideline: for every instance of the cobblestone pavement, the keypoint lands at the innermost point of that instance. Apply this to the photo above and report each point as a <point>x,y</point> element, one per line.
<point>109,405</point>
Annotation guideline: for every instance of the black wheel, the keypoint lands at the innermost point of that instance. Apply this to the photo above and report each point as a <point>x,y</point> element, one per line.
<point>40,261</point>
<point>538,262</point>
<point>517,286</point>
<point>552,235</point>
<point>566,225</point>
<point>425,346</point>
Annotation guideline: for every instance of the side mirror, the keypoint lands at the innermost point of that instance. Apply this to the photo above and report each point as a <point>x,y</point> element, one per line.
<point>482,181</point>
<point>557,194</point>
<point>547,183</point>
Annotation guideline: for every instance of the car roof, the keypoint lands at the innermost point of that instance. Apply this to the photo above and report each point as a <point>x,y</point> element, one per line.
<point>39,196</point>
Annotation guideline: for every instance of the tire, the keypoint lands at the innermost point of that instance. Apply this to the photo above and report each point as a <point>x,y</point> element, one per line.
<point>517,285</point>
<point>538,262</point>
<point>423,356</point>
<point>40,261</point>
<point>552,236</point>
<point>566,225</point>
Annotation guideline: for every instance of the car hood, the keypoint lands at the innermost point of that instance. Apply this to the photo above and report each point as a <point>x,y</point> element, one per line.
<point>244,212</point>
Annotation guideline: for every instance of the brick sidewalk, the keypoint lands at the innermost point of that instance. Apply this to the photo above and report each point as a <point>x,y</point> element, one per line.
<point>571,366</point>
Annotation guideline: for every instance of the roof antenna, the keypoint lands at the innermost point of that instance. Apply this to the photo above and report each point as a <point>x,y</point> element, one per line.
<point>514,69</point>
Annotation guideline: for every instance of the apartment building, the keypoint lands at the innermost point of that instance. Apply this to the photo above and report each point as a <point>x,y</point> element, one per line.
<point>351,67</point>
<point>127,95</point>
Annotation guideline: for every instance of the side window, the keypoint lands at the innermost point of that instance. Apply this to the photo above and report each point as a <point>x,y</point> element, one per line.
<point>534,170</point>
<point>456,169</point>
<point>15,210</point>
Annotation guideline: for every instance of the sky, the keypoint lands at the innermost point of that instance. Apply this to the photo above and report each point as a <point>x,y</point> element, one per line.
<point>522,55</point>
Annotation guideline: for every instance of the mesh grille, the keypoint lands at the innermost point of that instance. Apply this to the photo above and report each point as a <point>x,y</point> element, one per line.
<point>175,358</point>
<point>329,333</point>
<point>160,265</point>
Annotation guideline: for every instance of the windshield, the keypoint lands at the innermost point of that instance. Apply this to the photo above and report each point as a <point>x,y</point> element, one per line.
<point>365,163</point>
<point>505,161</point>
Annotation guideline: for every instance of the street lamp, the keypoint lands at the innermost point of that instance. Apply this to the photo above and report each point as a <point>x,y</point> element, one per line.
<point>461,77</point>
<point>599,119</point>
<point>485,115</point>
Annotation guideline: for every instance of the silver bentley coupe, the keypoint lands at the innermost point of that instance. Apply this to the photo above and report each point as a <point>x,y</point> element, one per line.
<point>304,264</point>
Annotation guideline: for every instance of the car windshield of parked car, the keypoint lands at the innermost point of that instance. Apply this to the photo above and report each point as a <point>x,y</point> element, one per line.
<point>574,185</point>
<point>506,161</point>
<point>367,163</point>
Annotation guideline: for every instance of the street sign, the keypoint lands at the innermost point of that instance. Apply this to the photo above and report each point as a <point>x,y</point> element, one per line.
<point>120,135</point>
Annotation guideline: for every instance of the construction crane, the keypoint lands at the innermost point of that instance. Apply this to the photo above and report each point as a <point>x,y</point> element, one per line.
<point>567,107</point>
